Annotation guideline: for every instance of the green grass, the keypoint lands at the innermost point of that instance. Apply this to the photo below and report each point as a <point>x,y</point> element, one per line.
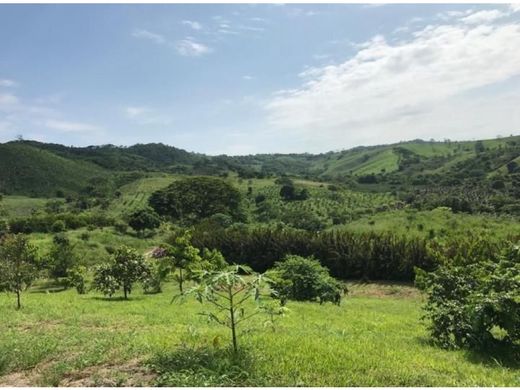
<point>23,206</point>
<point>442,221</point>
<point>375,338</point>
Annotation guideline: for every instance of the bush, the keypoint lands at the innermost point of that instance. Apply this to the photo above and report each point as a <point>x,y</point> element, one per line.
<point>474,305</point>
<point>303,279</point>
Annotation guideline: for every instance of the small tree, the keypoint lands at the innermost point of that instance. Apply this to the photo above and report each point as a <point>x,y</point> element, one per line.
<point>143,219</point>
<point>228,291</point>
<point>61,257</point>
<point>18,265</point>
<point>125,268</point>
<point>184,257</point>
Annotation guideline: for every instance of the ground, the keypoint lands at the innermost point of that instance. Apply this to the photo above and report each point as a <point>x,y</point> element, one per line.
<point>375,338</point>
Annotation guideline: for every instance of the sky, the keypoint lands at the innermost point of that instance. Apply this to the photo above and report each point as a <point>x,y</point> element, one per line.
<point>242,79</point>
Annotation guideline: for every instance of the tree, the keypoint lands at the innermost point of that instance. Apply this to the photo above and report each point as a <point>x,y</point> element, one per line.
<point>303,279</point>
<point>18,265</point>
<point>61,257</point>
<point>184,257</point>
<point>193,199</point>
<point>228,290</point>
<point>479,147</point>
<point>143,219</point>
<point>125,267</point>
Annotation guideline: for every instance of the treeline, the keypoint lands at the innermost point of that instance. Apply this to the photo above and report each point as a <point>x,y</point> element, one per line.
<point>55,223</point>
<point>348,255</point>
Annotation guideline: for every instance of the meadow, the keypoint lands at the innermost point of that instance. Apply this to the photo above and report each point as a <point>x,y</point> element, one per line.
<point>375,338</point>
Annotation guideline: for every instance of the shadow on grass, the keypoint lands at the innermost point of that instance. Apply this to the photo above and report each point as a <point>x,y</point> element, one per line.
<point>204,366</point>
<point>116,299</point>
<point>498,354</point>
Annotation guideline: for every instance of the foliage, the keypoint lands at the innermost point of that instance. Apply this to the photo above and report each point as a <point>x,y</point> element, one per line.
<point>356,255</point>
<point>197,198</point>
<point>61,257</point>
<point>77,278</point>
<point>303,279</point>
<point>228,290</point>
<point>475,305</point>
<point>125,267</point>
<point>143,219</point>
<point>18,265</point>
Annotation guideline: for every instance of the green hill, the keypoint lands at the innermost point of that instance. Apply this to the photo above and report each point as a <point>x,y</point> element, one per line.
<point>26,170</point>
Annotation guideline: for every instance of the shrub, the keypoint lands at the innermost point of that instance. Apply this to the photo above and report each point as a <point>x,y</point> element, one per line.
<point>77,279</point>
<point>303,279</point>
<point>474,305</point>
<point>61,257</point>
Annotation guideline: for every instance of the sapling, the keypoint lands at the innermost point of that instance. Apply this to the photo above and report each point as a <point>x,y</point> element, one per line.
<point>228,290</point>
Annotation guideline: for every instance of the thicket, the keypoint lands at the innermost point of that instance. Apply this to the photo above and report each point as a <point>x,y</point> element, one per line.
<point>348,255</point>
<point>52,223</point>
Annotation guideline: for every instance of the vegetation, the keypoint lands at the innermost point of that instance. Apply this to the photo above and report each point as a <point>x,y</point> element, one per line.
<point>157,222</point>
<point>18,265</point>
<point>303,279</point>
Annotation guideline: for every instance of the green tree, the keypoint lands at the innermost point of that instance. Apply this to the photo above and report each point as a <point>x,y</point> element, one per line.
<point>18,265</point>
<point>125,267</point>
<point>193,199</point>
<point>61,257</point>
<point>184,257</point>
<point>143,219</point>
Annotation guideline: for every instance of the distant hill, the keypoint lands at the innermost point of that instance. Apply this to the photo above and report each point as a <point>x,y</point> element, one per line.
<point>40,169</point>
<point>32,171</point>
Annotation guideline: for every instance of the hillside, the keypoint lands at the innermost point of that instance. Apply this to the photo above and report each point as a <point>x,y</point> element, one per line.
<point>35,168</point>
<point>27,170</point>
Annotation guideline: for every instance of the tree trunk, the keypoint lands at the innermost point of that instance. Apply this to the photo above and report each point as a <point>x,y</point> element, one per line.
<point>181,280</point>
<point>18,301</point>
<point>232,317</point>
<point>125,289</point>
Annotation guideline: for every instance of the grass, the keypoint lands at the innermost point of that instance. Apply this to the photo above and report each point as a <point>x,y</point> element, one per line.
<point>375,338</point>
<point>23,206</point>
<point>443,222</point>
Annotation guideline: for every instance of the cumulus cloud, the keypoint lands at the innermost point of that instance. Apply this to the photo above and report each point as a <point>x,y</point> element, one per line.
<point>145,34</point>
<point>190,48</point>
<point>386,88</point>
<point>71,127</point>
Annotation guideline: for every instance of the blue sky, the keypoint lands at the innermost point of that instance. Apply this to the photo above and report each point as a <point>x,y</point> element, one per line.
<point>240,79</point>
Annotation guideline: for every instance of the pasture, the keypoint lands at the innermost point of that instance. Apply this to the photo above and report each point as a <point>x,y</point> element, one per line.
<point>375,338</point>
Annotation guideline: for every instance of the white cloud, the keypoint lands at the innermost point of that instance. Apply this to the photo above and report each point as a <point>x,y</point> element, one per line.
<point>7,100</point>
<point>386,89</point>
<point>190,48</point>
<point>146,116</point>
<point>485,16</point>
<point>8,83</point>
<point>515,7</point>
<point>194,25</point>
<point>71,127</point>
<point>145,34</point>
<point>247,77</point>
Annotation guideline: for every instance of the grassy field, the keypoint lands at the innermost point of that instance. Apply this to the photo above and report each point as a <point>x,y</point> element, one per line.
<point>23,206</point>
<point>443,222</point>
<point>375,338</point>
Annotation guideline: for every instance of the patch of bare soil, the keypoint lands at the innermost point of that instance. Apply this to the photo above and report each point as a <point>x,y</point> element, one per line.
<point>382,290</point>
<point>128,374</point>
